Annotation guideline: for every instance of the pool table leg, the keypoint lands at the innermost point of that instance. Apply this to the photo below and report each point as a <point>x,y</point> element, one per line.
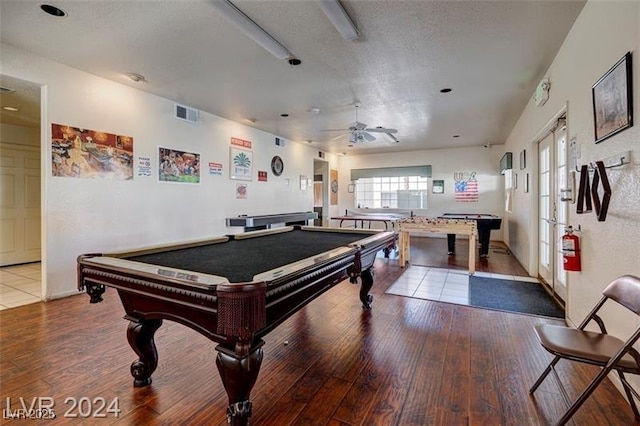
<point>367,282</point>
<point>239,374</point>
<point>140,336</point>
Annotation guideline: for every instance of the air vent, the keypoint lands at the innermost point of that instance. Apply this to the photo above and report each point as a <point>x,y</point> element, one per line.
<point>187,114</point>
<point>279,142</point>
<point>6,90</point>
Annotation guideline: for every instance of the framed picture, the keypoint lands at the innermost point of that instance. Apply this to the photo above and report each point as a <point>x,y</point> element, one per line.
<point>526,182</point>
<point>241,167</point>
<point>612,100</point>
<point>523,159</point>
<point>438,187</point>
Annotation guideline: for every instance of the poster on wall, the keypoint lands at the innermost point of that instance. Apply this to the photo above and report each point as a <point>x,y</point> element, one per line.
<point>84,153</point>
<point>241,164</point>
<point>241,191</point>
<point>178,166</point>
<point>144,165</point>
<point>466,187</point>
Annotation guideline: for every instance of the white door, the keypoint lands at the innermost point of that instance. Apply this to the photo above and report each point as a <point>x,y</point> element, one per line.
<point>552,176</point>
<point>19,204</point>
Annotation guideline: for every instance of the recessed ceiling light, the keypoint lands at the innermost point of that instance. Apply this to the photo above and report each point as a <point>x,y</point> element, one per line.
<point>284,114</point>
<point>456,136</point>
<point>138,78</point>
<point>53,11</point>
<point>10,108</point>
<point>314,110</point>
<point>445,90</point>
<point>294,61</point>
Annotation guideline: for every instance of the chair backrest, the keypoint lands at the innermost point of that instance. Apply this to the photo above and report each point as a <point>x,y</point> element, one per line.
<point>626,291</point>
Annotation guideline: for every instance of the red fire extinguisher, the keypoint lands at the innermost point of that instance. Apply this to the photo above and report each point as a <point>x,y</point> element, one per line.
<point>571,250</point>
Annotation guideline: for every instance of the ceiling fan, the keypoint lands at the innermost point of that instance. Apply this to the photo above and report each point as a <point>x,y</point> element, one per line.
<point>359,132</point>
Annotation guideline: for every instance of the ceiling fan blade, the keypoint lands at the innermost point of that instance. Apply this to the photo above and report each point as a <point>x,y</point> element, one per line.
<point>339,136</point>
<point>392,137</point>
<point>381,130</point>
<point>368,136</point>
<point>334,130</point>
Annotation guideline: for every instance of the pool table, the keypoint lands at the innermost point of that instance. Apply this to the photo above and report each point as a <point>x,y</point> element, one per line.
<point>485,222</point>
<point>232,289</point>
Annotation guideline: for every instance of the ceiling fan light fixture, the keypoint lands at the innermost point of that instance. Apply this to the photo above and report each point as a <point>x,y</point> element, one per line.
<point>339,18</point>
<point>353,138</point>
<point>252,30</point>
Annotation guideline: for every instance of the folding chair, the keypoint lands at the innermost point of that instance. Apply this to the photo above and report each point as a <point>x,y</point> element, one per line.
<point>594,348</point>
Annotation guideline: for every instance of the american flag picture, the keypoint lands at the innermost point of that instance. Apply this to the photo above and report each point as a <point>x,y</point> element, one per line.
<point>466,187</point>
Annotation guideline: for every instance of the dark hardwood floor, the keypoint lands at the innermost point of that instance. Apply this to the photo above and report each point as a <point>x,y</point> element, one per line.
<point>405,362</point>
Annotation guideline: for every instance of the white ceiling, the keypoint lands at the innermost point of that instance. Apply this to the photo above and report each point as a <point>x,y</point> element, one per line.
<point>491,53</point>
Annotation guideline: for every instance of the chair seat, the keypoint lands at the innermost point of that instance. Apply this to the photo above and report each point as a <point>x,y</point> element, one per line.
<point>586,346</point>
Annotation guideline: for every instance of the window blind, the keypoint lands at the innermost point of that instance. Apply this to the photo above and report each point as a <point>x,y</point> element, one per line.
<point>424,171</point>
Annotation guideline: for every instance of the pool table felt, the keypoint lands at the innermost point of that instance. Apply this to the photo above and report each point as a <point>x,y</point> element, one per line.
<point>240,260</point>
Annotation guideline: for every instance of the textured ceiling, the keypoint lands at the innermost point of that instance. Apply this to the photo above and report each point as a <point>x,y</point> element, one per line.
<point>492,54</point>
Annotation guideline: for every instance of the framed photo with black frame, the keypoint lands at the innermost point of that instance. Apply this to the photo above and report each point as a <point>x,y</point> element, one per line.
<point>438,186</point>
<point>613,100</point>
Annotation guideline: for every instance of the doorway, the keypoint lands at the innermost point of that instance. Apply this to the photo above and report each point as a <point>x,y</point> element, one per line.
<point>20,187</point>
<point>553,213</point>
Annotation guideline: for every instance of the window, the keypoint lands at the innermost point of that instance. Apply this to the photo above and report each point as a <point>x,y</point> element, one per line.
<point>403,192</point>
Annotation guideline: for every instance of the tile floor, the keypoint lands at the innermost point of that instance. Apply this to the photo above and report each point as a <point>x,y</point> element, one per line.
<point>444,285</point>
<point>20,285</point>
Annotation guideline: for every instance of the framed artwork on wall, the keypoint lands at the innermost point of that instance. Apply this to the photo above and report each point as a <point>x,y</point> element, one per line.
<point>612,100</point>
<point>523,159</point>
<point>438,187</point>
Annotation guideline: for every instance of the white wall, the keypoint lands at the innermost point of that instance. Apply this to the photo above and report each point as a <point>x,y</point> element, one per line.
<point>444,162</point>
<point>99,215</point>
<point>601,35</point>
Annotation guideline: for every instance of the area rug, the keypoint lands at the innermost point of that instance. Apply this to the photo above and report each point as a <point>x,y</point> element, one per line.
<point>512,296</point>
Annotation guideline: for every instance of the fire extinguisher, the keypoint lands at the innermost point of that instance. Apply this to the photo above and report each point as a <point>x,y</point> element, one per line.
<point>571,250</point>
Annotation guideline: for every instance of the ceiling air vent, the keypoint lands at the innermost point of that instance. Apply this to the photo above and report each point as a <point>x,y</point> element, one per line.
<point>187,114</point>
<point>6,90</point>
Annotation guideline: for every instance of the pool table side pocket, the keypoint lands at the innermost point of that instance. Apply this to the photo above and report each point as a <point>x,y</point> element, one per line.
<point>241,312</point>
